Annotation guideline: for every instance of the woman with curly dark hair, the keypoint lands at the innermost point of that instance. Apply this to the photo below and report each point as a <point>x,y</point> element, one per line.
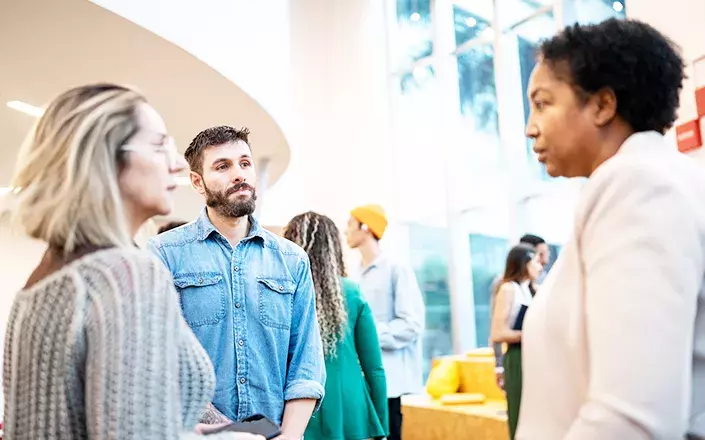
<point>355,407</point>
<point>613,345</point>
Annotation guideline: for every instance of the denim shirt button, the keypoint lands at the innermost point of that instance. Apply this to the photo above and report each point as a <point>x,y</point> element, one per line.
<point>241,342</point>
<point>242,380</point>
<point>236,268</point>
<point>281,288</point>
<point>237,305</point>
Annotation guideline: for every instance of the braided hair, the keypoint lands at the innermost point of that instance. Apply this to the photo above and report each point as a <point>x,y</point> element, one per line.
<point>320,238</point>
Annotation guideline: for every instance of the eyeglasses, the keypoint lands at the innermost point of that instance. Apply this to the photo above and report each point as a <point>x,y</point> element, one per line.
<point>167,148</point>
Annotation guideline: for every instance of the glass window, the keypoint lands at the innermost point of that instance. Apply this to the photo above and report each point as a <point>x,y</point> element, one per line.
<point>413,39</point>
<point>429,258</point>
<point>474,22</point>
<point>593,11</point>
<point>525,39</point>
<point>488,255</point>
<point>478,96</point>
<point>416,79</point>
<point>420,134</point>
<point>511,12</point>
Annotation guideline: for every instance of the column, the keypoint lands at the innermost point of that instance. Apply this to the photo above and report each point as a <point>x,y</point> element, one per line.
<point>262,168</point>
<point>459,272</point>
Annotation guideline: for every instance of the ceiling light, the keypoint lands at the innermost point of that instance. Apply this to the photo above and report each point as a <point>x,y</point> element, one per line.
<point>25,108</point>
<point>415,16</point>
<point>488,34</point>
<point>420,73</point>
<point>470,22</point>
<point>618,6</point>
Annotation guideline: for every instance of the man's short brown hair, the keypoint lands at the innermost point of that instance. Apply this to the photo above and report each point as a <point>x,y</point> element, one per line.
<point>211,137</point>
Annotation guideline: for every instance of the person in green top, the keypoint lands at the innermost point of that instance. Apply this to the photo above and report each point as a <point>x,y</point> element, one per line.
<point>355,403</point>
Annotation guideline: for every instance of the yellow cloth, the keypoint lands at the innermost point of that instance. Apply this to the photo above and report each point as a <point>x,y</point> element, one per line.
<point>373,216</point>
<point>463,399</point>
<point>428,419</point>
<point>476,372</point>
<point>477,376</point>
<point>444,378</point>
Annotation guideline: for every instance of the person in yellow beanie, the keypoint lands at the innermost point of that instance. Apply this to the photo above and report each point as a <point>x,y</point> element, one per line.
<point>395,299</point>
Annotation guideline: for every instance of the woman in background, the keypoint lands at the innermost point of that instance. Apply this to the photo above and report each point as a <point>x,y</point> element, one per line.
<point>96,346</point>
<point>355,406</point>
<point>513,299</point>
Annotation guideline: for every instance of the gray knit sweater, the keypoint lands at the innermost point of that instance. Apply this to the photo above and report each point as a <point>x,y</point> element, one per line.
<point>99,350</point>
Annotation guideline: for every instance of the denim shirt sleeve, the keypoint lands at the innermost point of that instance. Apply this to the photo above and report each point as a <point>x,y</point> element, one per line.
<point>306,370</point>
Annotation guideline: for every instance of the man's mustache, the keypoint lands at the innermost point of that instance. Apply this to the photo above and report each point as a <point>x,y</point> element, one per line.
<point>238,187</point>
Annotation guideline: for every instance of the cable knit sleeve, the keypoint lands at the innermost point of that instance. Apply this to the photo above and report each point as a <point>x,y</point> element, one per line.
<point>145,376</point>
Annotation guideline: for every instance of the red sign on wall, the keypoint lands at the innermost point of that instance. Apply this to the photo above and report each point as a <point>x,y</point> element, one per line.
<point>688,136</point>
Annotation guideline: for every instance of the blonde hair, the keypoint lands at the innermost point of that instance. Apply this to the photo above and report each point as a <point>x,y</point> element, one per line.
<point>66,179</point>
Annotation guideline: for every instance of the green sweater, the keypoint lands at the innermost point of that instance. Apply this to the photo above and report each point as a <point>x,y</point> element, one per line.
<point>355,403</point>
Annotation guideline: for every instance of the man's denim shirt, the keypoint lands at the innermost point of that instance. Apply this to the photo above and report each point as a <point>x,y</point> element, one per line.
<point>253,309</point>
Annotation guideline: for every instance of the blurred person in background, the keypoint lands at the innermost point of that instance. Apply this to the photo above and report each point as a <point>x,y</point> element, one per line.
<point>394,296</point>
<point>614,344</point>
<point>355,407</point>
<point>96,346</point>
<point>514,297</point>
<point>544,253</point>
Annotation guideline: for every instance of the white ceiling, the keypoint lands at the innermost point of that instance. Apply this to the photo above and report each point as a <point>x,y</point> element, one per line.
<point>48,46</point>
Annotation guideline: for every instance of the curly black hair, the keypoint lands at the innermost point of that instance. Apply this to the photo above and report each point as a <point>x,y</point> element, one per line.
<point>642,66</point>
<point>210,137</point>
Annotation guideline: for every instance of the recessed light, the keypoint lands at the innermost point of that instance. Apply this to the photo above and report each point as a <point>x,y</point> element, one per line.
<point>415,16</point>
<point>618,6</point>
<point>25,108</point>
<point>470,22</point>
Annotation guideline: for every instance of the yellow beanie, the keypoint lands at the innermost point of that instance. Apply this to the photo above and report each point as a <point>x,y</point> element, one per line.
<point>373,216</point>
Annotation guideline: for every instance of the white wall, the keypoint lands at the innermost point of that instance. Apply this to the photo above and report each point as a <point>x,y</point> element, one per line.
<point>340,132</point>
<point>684,22</point>
<point>246,41</point>
<point>318,67</point>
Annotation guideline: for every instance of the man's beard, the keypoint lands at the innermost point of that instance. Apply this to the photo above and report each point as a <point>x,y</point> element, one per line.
<point>225,207</point>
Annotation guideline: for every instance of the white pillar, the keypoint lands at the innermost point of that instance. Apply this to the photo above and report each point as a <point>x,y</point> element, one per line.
<point>460,281</point>
<point>339,130</point>
<point>262,168</point>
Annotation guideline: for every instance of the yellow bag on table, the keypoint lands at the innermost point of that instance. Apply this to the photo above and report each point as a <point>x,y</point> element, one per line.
<point>443,379</point>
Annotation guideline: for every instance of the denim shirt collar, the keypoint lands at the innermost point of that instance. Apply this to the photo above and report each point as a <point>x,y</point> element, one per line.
<point>206,228</point>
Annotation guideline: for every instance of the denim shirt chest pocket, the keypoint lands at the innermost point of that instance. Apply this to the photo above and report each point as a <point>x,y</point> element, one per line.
<point>276,299</point>
<point>202,297</point>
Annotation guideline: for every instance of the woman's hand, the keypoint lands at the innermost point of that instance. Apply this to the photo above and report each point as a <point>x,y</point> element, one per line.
<point>499,376</point>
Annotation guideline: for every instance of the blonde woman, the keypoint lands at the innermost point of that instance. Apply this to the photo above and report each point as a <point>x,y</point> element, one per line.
<point>96,346</point>
<point>355,406</point>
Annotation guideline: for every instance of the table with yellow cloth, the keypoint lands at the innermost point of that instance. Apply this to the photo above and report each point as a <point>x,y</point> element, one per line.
<point>426,418</point>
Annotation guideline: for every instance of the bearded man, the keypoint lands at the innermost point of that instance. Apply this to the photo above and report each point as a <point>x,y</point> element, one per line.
<point>246,293</point>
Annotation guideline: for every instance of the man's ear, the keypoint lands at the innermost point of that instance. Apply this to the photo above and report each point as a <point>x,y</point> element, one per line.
<point>604,102</point>
<point>197,182</point>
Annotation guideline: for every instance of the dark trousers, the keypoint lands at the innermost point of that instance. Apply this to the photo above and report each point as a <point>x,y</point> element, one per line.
<point>513,385</point>
<point>394,418</point>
